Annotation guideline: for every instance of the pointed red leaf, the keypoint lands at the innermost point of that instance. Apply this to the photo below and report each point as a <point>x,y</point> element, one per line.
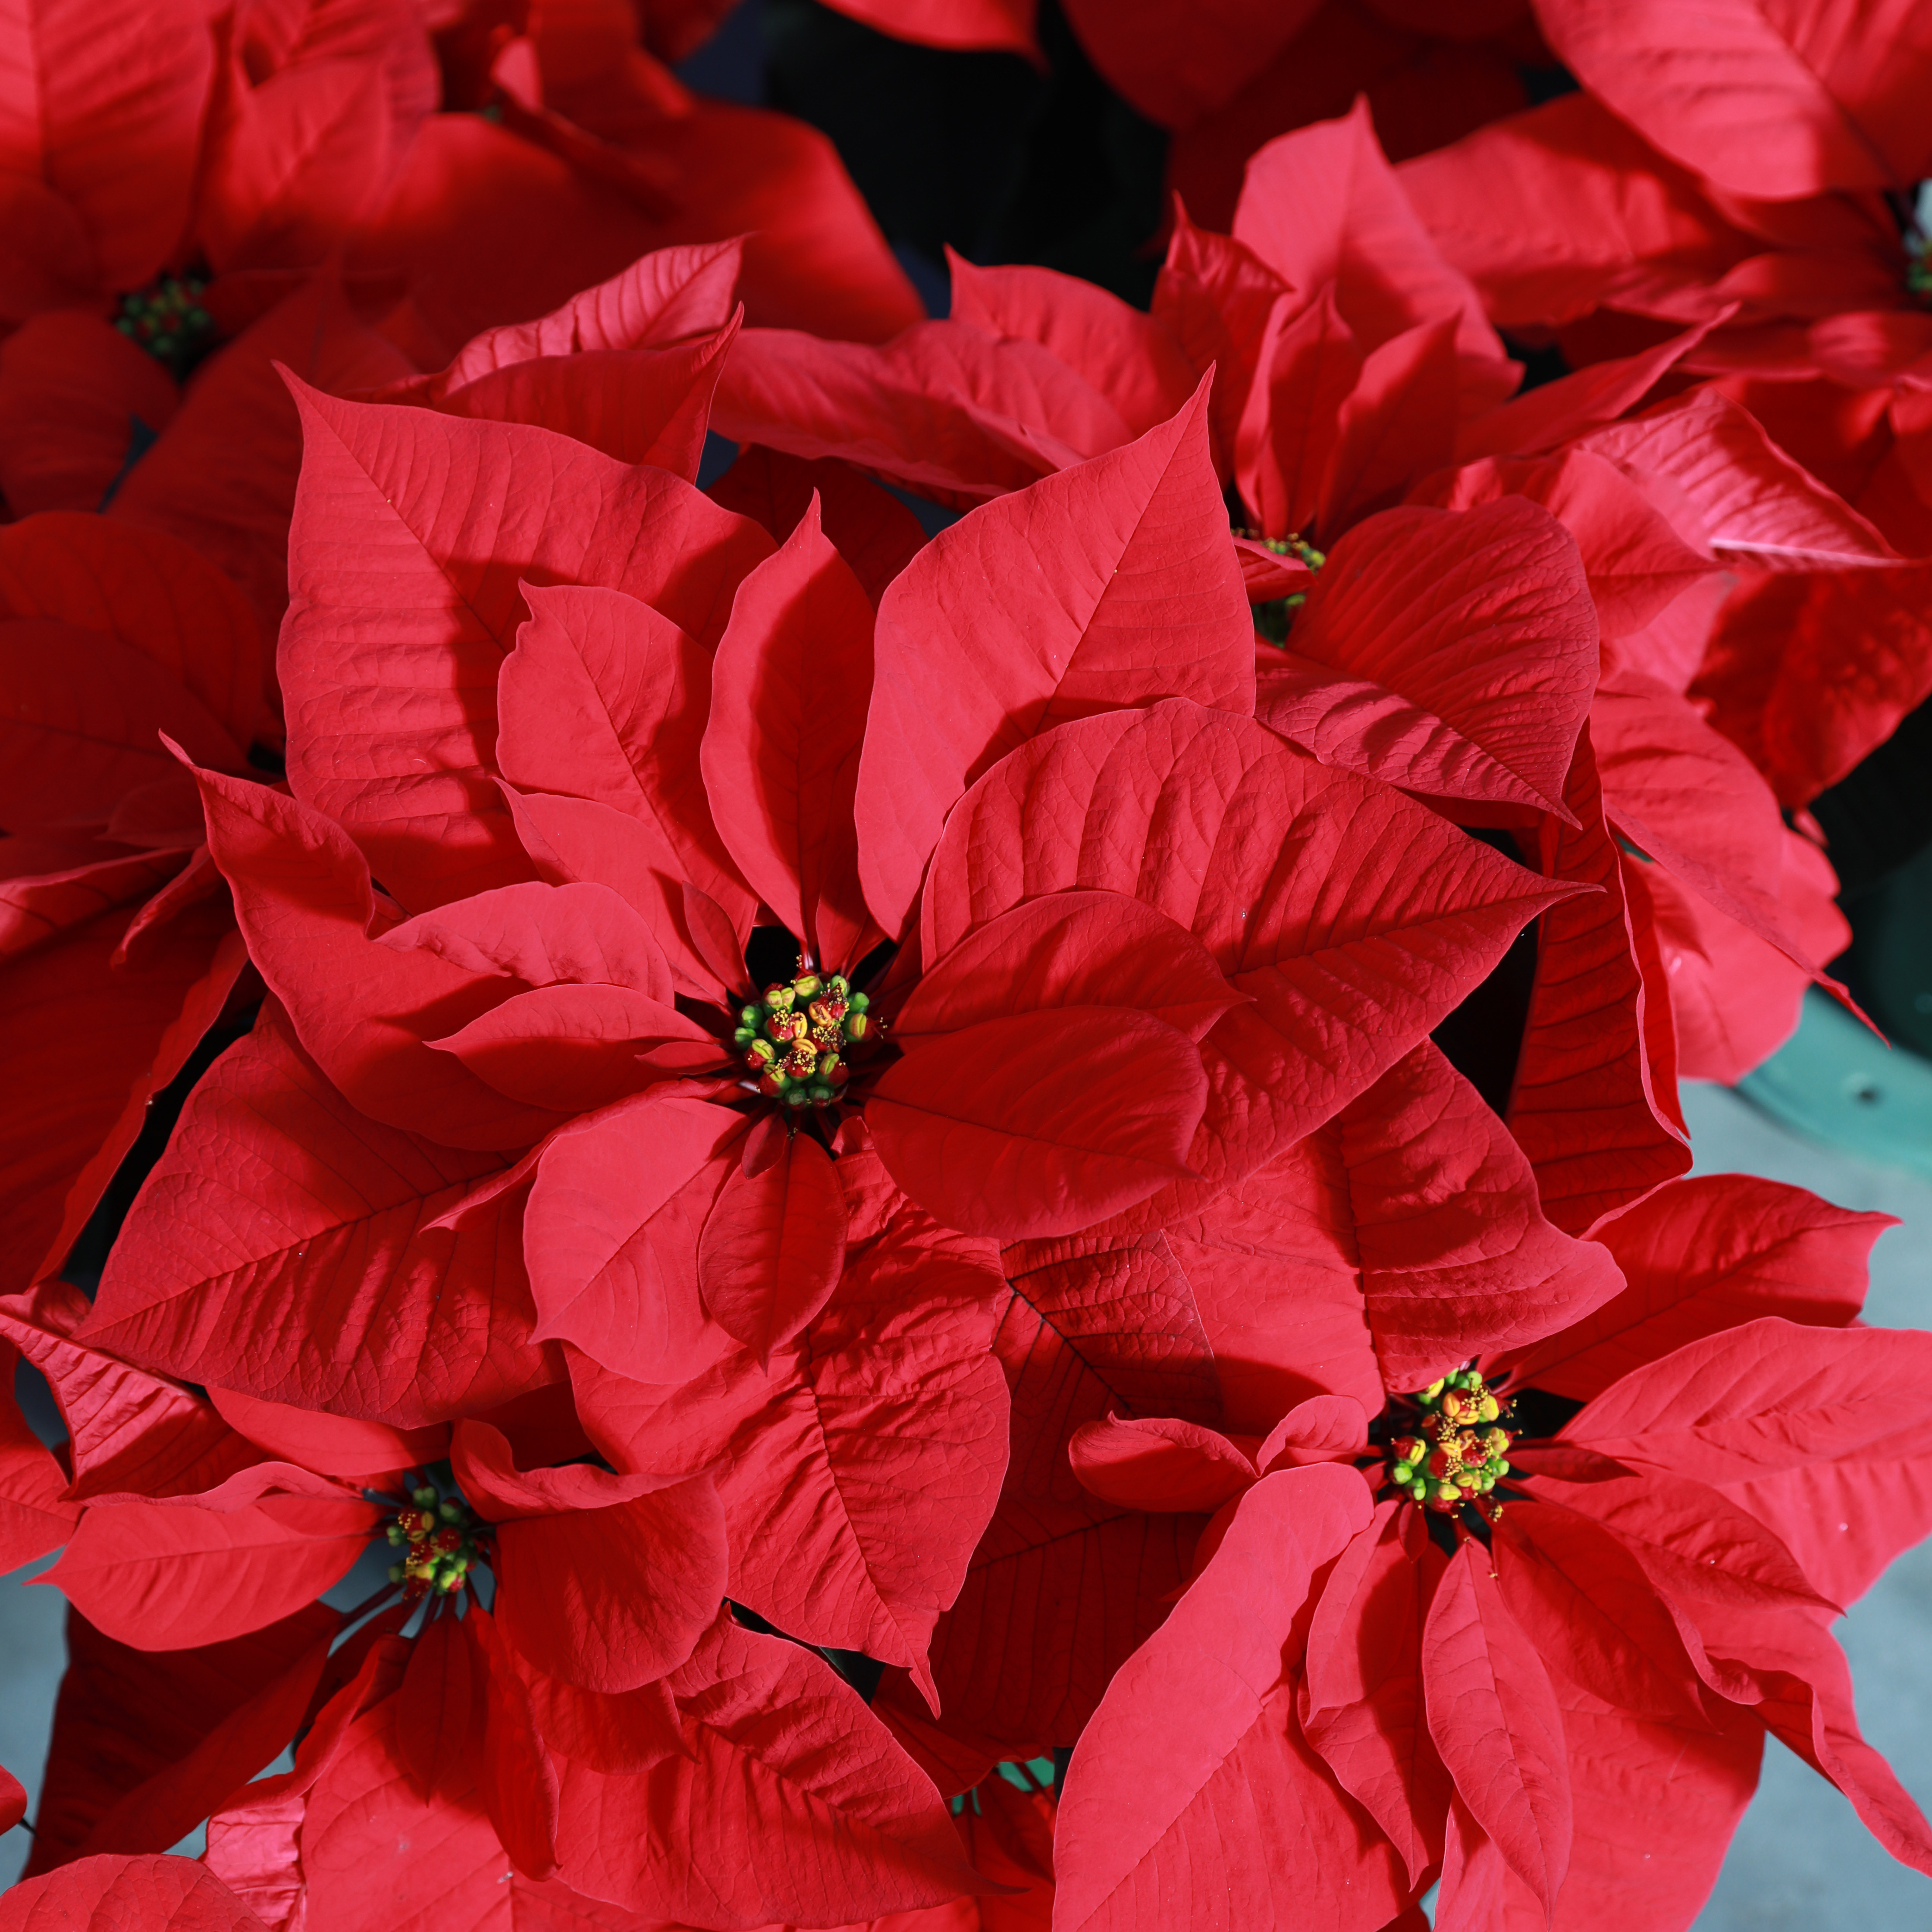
<point>1230,1811</point>
<point>606,699</point>
<point>1160,1463</point>
<point>1702,1255</point>
<point>84,720</point>
<point>304,901</point>
<point>1550,210</point>
<point>542,934</point>
<point>35,1514</point>
<point>1591,1106</point>
<point>1451,653</point>
<point>1438,1209</point>
<point>1322,204</point>
<point>12,1800</point>
<point>859,1468</point>
<point>1362,1708</point>
<point>1217,296</point>
<point>662,298</point>
<point>108,1894</point>
<point>72,387</point>
<point>294,158</point>
<point>822,1817</point>
<point>612,1597</point>
<point>1261,852</point>
<point>1068,949</point>
<point>432,1714</point>
<point>573,1049</point>
<point>1591,1612</point>
<point>1763,1397</point>
<point>104,105</point>
<point>790,684</point>
<point>1063,1587</point>
<point>773,1247</point>
<point>127,1429</point>
<point>1131,357</point>
<point>1112,584</point>
<point>396,737</point>
<point>165,1576</point>
<point>150,591</point>
<point>336,1445</point>
<point>325,1227</point>
<point>1638,562</point>
<point>1308,363</point>
<point>1757,504</point>
<point>89,1041</point>
<point>1041,1122</point>
<point>222,476</point>
<point>612,1230</point>
<point>1495,1719</point>
<point>638,405</point>
<point>875,533</point>
<point>574,840</point>
<point>1767,101</point>
<point>206,1721</point>
<point>1808,671</point>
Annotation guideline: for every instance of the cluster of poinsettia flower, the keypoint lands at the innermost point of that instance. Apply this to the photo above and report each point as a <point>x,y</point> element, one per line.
<point>932,1231</point>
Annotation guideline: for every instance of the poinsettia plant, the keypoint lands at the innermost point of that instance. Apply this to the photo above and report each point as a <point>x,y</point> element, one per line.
<point>950,1215</point>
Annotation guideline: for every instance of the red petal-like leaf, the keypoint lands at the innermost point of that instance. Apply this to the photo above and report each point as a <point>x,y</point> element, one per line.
<point>1591,1107</point>
<point>1495,1720</point>
<point>109,1894</point>
<point>1273,861</point>
<point>1321,204</point>
<point>167,1575</point>
<point>1448,653</point>
<point>1592,1613</point>
<point>822,1817</point>
<point>1039,1123</point>
<point>1063,1586</point>
<point>1230,1811</point>
<point>612,1229</point>
<point>1363,1708</point>
<point>104,104</point>
<point>875,533</point>
<point>304,901</point>
<point>773,1247</point>
<point>150,591</point>
<point>605,698</point>
<point>1767,101</point>
<point>1161,1463</point>
<point>127,1429</point>
<point>325,1227</point>
<point>396,737</point>
<point>791,681</point>
<point>1113,584</point>
<point>1702,1255</point>
<point>860,1469</point>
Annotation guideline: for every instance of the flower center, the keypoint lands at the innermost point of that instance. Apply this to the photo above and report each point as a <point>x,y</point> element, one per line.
<point>796,1036</point>
<point>1454,1454</point>
<point>437,1536</point>
<point>1274,619</point>
<point>166,319</point>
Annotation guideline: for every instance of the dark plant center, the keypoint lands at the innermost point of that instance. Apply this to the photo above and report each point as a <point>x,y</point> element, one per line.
<point>1452,1449</point>
<point>797,1037</point>
<point>439,1541</point>
<point>167,319</point>
<point>1274,619</point>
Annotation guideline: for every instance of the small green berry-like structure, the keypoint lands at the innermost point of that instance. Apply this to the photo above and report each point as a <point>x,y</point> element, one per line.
<point>167,319</point>
<point>1457,1453</point>
<point>796,1037</point>
<point>439,1541</point>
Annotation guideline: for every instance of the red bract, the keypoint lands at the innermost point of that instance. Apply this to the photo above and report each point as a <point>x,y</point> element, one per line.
<point>98,1895</point>
<point>1654,1588</point>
